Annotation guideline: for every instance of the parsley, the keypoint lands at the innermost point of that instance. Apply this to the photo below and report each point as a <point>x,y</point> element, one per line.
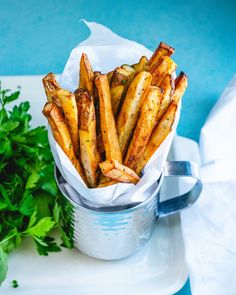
<point>29,198</point>
<point>14,284</point>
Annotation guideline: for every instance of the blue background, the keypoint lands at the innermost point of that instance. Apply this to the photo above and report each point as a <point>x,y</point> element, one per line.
<point>37,36</point>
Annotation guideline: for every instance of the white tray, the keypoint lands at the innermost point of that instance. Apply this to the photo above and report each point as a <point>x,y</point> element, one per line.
<point>159,268</point>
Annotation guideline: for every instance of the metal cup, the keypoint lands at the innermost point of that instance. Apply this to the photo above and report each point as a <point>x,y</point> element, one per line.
<point>116,232</point>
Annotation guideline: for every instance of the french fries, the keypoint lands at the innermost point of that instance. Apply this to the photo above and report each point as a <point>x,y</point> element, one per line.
<point>142,65</point>
<point>168,87</point>
<point>61,134</point>
<point>181,83</point>
<point>158,136</point>
<point>90,157</point>
<point>162,50</point>
<point>68,104</point>
<point>113,169</point>
<point>108,126</point>
<point>129,111</point>
<point>166,66</point>
<point>111,126</point>
<point>145,125</point>
<point>86,74</point>
<point>51,86</point>
<point>119,81</point>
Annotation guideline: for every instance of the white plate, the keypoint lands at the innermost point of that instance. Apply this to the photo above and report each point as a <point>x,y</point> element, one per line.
<point>159,268</point>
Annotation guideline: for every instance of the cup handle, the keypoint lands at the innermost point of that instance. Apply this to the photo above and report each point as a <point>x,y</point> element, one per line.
<point>176,204</point>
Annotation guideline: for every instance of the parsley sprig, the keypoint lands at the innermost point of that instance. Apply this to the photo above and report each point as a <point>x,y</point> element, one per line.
<point>29,198</point>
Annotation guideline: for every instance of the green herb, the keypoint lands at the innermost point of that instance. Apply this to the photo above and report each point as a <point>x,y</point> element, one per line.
<point>14,284</point>
<point>29,198</point>
<point>123,82</point>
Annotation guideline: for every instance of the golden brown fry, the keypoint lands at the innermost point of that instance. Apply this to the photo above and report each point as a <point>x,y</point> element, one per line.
<point>145,125</point>
<point>158,136</point>
<point>51,86</point>
<point>142,65</point>
<point>109,76</point>
<point>168,87</point>
<point>166,66</point>
<point>128,115</point>
<point>108,127</point>
<point>119,80</point>
<point>181,83</point>
<point>68,103</point>
<point>108,183</point>
<point>113,169</point>
<point>162,50</point>
<point>86,74</point>
<point>59,128</point>
<point>89,155</point>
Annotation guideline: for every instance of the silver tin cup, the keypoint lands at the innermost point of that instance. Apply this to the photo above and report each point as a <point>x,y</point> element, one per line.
<point>116,232</point>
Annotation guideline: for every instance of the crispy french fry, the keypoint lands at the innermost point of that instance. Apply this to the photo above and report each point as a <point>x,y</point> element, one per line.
<point>113,169</point>
<point>51,86</point>
<point>108,127</point>
<point>168,87</point>
<point>68,103</point>
<point>119,80</point>
<point>109,75</point>
<point>142,65</point>
<point>89,155</point>
<point>108,183</point>
<point>166,66</point>
<point>158,136</point>
<point>181,83</point>
<point>162,50</point>
<point>128,115</point>
<point>145,125</point>
<point>61,134</point>
<point>86,74</point>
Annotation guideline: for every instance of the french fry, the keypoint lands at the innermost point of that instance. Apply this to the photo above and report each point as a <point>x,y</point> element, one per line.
<point>100,144</point>
<point>61,134</point>
<point>113,169</point>
<point>158,136</point>
<point>145,125</point>
<point>109,75</point>
<point>89,155</point>
<point>128,115</point>
<point>119,80</point>
<point>86,74</point>
<point>168,87</point>
<point>181,83</point>
<point>166,66</point>
<point>108,183</point>
<point>51,86</point>
<point>162,50</point>
<point>68,103</point>
<point>142,65</point>
<point>108,127</point>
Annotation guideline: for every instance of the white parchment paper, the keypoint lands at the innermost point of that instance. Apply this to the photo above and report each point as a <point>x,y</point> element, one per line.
<point>106,50</point>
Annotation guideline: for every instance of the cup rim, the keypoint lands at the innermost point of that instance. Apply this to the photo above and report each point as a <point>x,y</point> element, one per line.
<point>99,210</point>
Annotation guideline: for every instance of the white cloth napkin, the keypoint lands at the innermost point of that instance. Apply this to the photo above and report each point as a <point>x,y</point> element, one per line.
<point>209,227</point>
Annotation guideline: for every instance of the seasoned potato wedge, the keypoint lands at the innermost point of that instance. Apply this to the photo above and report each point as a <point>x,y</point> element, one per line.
<point>107,183</point>
<point>109,75</point>
<point>145,125</point>
<point>119,81</point>
<point>61,134</point>
<point>89,154</point>
<point>51,86</point>
<point>166,66</point>
<point>162,50</point>
<point>128,115</point>
<point>168,87</point>
<point>181,83</point>
<point>142,65</point>
<point>113,169</point>
<point>108,126</point>
<point>86,76</point>
<point>158,136</point>
<point>68,103</point>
